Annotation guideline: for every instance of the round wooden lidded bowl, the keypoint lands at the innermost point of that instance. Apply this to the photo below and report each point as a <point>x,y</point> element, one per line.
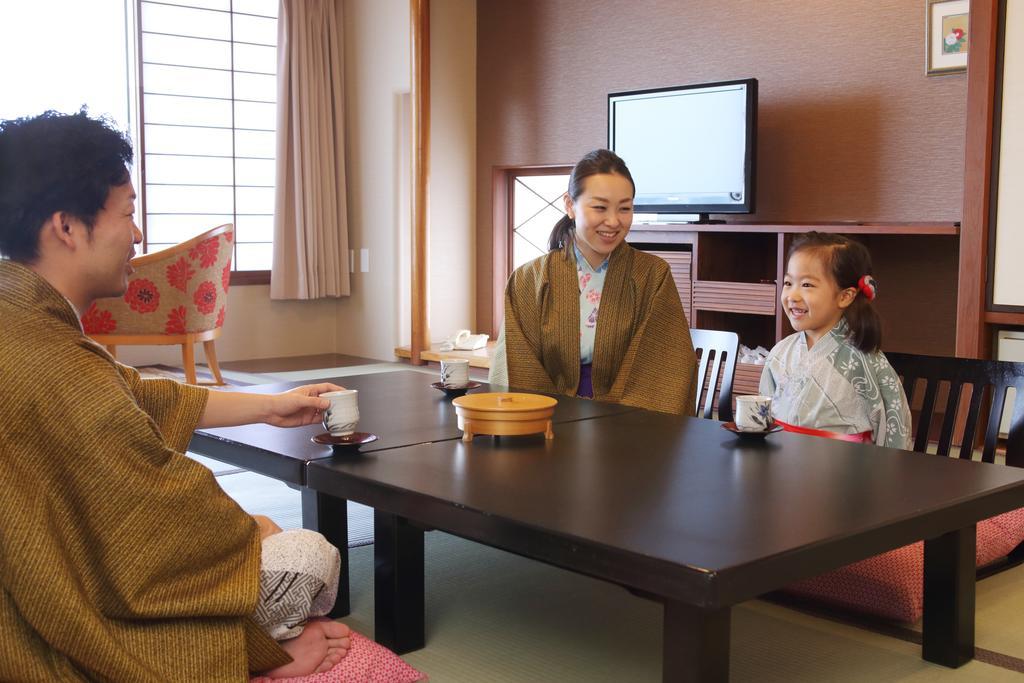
<point>504,414</point>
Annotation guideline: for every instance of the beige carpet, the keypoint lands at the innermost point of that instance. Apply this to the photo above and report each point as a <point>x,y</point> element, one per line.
<point>494,617</point>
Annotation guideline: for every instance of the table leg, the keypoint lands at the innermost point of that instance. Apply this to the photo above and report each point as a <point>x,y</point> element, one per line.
<point>398,583</point>
<point>695,647</point>
<point>949,583</point>
<point>329,516</point>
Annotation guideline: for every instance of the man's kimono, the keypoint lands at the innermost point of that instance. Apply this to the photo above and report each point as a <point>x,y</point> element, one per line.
<point>835,387</point>
<point>643,355</point>
<point>120,558</point>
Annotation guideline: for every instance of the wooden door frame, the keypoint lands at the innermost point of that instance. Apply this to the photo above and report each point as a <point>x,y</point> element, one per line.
<point>502,178</point>
<point>419,44</point>
<point>972,338</point>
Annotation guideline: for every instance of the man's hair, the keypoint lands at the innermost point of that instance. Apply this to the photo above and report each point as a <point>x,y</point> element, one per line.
<point>55,162</point>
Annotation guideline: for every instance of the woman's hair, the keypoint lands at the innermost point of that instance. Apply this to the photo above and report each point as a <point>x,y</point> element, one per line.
<point>593,163</point>
<point>55,162</point>
<point>847,262</point>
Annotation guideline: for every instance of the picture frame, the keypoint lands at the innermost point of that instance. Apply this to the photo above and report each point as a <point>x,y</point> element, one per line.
<point>947,36</point>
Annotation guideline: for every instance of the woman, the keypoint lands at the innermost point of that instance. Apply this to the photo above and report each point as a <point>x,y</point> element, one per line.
<point>594,317</point>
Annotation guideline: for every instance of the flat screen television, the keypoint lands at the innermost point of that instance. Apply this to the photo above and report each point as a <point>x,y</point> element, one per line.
<point>691,149</point>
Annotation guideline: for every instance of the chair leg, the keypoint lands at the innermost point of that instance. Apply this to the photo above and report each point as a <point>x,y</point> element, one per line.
<point>211,360</point>
<point>112,350</point>
<point>189,361</point>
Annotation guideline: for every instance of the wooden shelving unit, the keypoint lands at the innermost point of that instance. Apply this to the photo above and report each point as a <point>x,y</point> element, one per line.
<point>681,263</point>
<point>1004,318</point>
<point>842,227</point>
<point>753,298</point>
<point>732,272</point>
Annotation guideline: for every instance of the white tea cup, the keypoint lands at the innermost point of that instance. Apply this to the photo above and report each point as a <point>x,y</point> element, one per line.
<point>341,417</point>
<point>754,413</point>
<point>454,373</point>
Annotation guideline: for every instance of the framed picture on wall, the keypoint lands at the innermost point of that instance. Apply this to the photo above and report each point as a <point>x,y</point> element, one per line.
<point>946,36</point>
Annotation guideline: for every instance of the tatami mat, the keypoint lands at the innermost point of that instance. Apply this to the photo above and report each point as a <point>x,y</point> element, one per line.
<point>346,371</point>
<point>496,617</point>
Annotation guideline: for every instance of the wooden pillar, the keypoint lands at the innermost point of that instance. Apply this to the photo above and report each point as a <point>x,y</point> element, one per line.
<point>420,52</point>
<point>971,341</point>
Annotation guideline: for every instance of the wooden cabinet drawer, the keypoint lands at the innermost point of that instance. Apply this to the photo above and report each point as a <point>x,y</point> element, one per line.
<point>681,265</point>
<point>747,379</point>
<point>734,297</point>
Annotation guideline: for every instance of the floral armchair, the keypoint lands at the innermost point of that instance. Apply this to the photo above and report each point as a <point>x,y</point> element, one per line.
<point>176,296</point>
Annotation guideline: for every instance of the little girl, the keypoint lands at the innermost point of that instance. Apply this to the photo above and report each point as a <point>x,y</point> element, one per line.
<point>829,378</point>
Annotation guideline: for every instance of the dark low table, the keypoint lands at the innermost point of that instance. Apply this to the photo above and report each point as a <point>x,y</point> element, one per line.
<point>400,407</point>
<point>680,510</point>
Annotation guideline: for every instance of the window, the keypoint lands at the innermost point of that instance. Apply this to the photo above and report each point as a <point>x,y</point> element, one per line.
<point>535,207</point>
<point>527,204</point>
<point>65,75</point>
<point>208,78</point>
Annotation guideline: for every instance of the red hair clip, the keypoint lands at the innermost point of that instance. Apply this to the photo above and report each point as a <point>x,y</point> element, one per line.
<point>868,287</point>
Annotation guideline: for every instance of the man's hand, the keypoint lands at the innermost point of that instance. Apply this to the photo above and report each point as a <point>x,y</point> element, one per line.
<point>267,526</point>
<point>300,406</point>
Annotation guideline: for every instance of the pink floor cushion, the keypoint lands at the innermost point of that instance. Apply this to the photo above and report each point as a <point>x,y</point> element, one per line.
<point>891,585</point>
<point>1012,524</point>
<point>366,662</point>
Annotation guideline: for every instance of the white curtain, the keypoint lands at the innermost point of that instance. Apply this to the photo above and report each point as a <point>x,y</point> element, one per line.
<point>310,221</point>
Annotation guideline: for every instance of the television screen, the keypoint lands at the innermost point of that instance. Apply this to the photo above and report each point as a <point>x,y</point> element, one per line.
<point>690,149</point>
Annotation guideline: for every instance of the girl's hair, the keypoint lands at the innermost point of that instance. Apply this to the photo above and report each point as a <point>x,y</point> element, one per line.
<point>593,163</point>
<point>847,262</point>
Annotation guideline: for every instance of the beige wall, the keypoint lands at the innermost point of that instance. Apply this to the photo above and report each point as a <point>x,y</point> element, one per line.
<point>376,318</point>
<point>1008,280</point>
<point>376,73</point>
<point>452,165</point>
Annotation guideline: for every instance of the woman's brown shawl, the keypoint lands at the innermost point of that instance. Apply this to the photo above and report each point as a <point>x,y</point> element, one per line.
<point>120,558</point>
<point>643,355</point>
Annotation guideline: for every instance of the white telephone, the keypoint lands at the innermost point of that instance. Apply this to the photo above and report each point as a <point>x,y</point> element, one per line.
<point>464,340</point>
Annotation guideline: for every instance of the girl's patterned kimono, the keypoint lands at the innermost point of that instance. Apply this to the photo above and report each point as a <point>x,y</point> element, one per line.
<point>836,387</point>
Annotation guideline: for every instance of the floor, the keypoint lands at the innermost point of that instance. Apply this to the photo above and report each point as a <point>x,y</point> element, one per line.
<point>497,617</point>
<point>296,363</point>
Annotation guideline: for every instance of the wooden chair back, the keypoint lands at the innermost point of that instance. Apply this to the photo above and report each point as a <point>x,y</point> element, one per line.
<point>986,382</point>
<point>715,348</point>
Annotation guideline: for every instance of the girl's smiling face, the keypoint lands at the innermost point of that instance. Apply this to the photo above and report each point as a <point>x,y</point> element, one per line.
<point>810,296</point>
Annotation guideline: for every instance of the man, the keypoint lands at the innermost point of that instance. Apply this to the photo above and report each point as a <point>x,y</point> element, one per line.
<point>120,558</point>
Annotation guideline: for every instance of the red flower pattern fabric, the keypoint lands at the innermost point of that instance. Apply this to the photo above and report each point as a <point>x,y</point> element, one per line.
<point>177,294</point>
<point>206,252</point>
<point>205,298</point>
<point>179,273</point>
<point>97,321</point>
<point>142,295</point>
<point>175,321</point>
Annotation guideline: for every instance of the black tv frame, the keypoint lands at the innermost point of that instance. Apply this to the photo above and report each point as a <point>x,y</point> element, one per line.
<point>749,162</point>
